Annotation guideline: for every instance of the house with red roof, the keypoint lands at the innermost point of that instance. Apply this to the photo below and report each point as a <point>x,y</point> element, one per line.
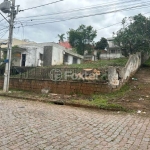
<point>66,44</point>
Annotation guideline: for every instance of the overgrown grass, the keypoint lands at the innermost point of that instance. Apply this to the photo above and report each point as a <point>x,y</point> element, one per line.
<point>97,64</point>
<point>105,101</point>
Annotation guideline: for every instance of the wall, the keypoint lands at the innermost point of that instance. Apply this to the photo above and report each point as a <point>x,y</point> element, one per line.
<point>89,58</point>
<point>47,56</point>
<point>32,55</point>
<point>118,76</point>
<point>70,59</point>
<point>60,87</point>
<point>111,56</point>
<point>57,56</point>
<point>78,61</point>
<point>16,61</point>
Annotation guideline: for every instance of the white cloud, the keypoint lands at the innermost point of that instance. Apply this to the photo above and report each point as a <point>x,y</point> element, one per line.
<point>49,32</point>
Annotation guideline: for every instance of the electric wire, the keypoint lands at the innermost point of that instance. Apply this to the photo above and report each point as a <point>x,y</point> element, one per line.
<point>97,14</point>
<point>41,5</point>
<point>4,17</point>
<point>4,34</point>
<point>82,8</point>
<point>109,26</point>
<point>59,19</point>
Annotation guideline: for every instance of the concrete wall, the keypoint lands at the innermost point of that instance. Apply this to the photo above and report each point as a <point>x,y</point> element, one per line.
<point>111,56</point>
<point>79,61</point>
<point>32,56</point>
<point>57,56</point>
<point>118,76</point>
<point>89,58</point>
<point>47,56</point>
<point>70,60</point>
<point>16,61</point>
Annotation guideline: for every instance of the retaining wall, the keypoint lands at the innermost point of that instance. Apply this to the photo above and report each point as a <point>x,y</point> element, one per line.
<point>60,87</point>
<point>118,76</point>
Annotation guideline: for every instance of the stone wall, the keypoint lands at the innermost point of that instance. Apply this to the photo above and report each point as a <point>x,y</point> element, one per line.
<point>117,76</point>
<point>60,87</point>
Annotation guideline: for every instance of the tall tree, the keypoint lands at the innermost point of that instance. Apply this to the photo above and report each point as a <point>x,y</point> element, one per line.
<point>102,44</point>
<point>135,35</point>
<point>61,37</point>
<point>81,38</point>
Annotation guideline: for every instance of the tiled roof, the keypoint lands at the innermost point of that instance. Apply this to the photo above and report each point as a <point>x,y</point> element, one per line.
<point>67,45</point>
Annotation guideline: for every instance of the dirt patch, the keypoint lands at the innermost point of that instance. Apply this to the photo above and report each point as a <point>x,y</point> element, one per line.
<point>138,97</point>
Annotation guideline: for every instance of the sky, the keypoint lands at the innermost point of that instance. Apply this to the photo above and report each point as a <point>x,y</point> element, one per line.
<point>66,9</point>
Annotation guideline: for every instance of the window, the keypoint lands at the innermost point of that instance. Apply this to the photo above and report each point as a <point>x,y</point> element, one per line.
<point>74,60</point>
<point>113,51</point>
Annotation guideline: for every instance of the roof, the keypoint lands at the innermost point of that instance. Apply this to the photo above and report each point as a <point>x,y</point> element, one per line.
<point>67,45</point>
<point>15,42</point>
<point>110,39</point>
<point>73,54</point>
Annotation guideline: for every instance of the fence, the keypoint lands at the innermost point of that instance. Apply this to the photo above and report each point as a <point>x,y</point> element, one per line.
<point>58,74</point>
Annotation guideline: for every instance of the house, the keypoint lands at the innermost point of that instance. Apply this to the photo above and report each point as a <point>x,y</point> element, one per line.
<point>3,43</point>
<point>36,54</point>
<point>54,55</point>
<point>112,51</point>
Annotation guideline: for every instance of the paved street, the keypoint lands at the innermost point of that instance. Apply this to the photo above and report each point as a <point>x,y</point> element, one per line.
<point>27,125</point>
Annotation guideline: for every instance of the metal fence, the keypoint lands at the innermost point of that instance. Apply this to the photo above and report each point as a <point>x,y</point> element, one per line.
<point>57,74</point>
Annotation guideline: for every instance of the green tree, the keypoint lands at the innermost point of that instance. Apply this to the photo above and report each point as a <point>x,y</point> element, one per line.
<point>61,37</point>
<point>81,38</point>
<point>134,36</point>
<point>102,44</point>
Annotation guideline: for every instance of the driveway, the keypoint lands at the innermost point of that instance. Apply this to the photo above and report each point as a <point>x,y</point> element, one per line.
<point>27,125</point>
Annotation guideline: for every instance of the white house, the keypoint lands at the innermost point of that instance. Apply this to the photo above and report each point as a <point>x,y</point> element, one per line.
<point>113,51</point>
<point>35,54</point>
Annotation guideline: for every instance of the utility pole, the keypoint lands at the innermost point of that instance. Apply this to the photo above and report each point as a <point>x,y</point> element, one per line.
<point>9,50</point>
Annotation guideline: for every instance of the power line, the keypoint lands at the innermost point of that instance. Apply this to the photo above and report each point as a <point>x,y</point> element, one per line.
<point>81,9</point>
<point>40,20</point>
<point>4,17</point>
<point>109,26</point>
<point>85,16</point>
<point>115,24</point>
<point>41,5</point>
<point>4,34</point>
<point>3,28</point>
<point>60,14</point>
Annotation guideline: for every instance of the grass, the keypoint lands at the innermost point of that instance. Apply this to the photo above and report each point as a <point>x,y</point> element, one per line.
<point>97,64</point>
<point>105,101</point>
<point>102,101</point>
